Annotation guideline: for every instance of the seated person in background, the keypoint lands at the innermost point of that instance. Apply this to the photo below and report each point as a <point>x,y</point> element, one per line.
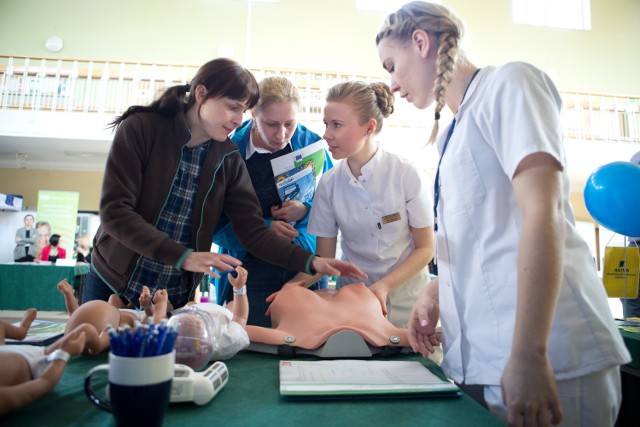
<point>28,372</point>
<point>83,249</point>
<point>312,317</point>
<point>53,251</point>
<point>224,326</point>
<point>26,238</point>
<point>94,316</point>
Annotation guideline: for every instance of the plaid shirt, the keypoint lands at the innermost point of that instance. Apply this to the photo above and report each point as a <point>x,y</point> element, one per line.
<point>175,220</point>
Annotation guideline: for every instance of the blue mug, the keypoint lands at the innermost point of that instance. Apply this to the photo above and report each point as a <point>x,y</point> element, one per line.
<point>139,388</point>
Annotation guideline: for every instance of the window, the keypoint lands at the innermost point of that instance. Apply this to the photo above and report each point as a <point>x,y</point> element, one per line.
<point>571,14</point>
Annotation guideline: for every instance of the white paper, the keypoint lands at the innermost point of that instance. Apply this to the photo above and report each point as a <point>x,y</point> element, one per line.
<point>341,376</point>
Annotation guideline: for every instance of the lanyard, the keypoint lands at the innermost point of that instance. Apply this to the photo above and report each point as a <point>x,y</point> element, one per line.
<point>436,189</point>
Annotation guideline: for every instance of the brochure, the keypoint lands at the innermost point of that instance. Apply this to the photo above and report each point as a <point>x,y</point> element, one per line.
<point>311,155</point>
<point>41,332</point>
<point>333,379</point>
<point>300,185</point>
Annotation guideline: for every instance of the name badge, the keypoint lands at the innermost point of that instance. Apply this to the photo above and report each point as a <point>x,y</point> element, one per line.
<point>391,218</point>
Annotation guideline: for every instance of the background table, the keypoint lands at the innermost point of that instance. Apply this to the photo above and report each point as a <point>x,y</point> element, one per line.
<point>251,398</point>
<point>26,285</point>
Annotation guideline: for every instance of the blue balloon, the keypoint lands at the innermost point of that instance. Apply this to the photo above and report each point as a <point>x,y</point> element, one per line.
<point>612,197</point>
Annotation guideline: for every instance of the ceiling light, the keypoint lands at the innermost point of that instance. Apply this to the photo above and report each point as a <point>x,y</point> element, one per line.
<point>54,44</point>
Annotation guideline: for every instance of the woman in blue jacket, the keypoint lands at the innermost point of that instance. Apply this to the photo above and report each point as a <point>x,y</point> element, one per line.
<point>273,131</point>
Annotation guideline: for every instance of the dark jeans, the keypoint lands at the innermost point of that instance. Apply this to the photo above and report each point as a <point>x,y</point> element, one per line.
<point>630,307</point>
<point>95,288</point>
<point>27,258</point>
<point>263,280</point>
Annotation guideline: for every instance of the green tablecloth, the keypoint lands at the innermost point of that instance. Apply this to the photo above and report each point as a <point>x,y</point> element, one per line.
<point>251,398</point>
<point>632,341</point>
<point>630,411</point>
<point>26,285</point>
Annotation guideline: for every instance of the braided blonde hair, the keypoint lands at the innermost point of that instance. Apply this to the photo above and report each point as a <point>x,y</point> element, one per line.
<point>371,101</point>
<point>444,26</point>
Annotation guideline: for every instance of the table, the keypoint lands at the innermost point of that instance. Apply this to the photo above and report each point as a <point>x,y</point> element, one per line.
<point>26,285</point>
<point>251,398</point>
<point>632,341</point>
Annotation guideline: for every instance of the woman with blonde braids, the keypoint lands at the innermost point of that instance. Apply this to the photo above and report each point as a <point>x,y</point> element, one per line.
<point>380,203</point>
<point>525,320</point>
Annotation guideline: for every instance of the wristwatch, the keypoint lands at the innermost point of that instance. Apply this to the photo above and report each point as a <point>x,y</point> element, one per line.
<point>241,291</point>
<point>58,354</point>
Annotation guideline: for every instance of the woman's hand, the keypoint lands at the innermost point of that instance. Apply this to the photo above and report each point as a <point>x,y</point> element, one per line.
<point>529,391</point>
<point>381,292</point>
<point>423,320</point>
<point>284,230</point>
<point>289,211</point>
<point>201,262</point>
<point>336,267</point>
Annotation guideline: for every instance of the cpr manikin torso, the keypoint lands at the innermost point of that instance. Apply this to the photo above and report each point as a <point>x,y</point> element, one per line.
<point>307,319</point>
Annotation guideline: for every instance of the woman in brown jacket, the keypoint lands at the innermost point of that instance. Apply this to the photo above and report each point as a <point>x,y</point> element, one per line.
<point>171,173</point>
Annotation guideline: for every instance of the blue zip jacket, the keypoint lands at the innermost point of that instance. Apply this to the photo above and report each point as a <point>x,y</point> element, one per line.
<point>224,236</point>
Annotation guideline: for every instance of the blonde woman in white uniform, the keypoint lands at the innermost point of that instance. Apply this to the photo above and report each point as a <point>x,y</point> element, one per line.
<point>523,312</point>
<point>380,203</point>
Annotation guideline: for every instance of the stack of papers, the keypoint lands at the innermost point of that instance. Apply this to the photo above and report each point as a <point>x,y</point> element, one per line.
<point>360,378</point>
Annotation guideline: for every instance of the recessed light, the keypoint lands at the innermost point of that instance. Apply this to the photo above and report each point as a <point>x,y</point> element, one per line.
<point>54,44</point>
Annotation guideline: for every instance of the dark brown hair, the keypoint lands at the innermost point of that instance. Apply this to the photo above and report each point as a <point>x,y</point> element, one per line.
<point>222,77</point>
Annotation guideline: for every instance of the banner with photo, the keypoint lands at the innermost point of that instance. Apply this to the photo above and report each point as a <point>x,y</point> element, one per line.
<point>60,210</point>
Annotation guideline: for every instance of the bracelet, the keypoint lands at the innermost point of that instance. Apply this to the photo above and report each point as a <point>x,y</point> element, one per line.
<point>58,354</point>
<point>39,368</point>
<point>241,291</point>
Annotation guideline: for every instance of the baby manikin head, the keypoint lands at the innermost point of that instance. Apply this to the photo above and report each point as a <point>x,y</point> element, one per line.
<point>207,332</point>
<point>195,337</point>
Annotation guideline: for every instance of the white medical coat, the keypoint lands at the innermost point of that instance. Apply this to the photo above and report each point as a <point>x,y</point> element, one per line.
<point>509,112</point>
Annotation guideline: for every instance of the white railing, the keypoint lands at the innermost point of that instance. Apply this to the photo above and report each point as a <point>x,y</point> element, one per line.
<point>75,85</point>
<point>600,117</point>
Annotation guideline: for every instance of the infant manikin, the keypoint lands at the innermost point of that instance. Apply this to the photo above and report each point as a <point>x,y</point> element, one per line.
<point>207,332</point>
<point>307,319</point>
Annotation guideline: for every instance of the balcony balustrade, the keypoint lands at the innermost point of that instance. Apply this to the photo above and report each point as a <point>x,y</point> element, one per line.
<point>90,86</point>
